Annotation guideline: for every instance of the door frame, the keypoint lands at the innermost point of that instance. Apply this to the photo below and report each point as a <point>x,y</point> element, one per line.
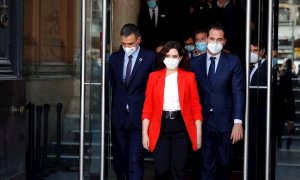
<point>83,86</point>
<point>269,79</point>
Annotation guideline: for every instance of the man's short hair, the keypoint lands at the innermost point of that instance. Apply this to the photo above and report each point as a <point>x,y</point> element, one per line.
<point>254,42</point>
<point>217,26</point>
<point>198,31</point>
<point>129,29</point>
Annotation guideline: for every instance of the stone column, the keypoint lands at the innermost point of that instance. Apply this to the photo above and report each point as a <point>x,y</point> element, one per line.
<point>123,11</point>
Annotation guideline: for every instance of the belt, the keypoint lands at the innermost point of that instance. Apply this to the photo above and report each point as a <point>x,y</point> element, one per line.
<point>171,114</point>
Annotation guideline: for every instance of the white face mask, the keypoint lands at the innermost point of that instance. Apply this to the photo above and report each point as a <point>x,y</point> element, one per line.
<point>171,63</point>
<point>129,51</point>
<point>253,57</point>
<point>215,48</point>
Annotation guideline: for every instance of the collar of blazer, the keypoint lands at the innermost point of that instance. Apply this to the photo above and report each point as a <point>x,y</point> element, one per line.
<point>181,85</point>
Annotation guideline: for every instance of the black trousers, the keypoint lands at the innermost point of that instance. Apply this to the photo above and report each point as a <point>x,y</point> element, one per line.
<point>171,151</point>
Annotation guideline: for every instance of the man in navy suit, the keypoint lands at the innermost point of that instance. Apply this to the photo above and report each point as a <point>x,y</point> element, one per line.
<point>129,69</point>
<point>221,86</point>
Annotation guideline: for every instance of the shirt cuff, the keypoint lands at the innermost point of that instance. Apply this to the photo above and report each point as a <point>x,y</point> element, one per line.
<point>238,121</point>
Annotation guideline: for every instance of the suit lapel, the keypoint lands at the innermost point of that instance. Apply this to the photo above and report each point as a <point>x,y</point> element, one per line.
<point>148,15</point>
<point>181,87</point>
<point>203,65</point>
<point>120,66</point>
<point>220,68</point>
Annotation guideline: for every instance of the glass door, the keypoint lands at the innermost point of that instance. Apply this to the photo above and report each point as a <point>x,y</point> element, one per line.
<point>93,85</point>
<point>287,136</point>
<point>272,128</point>
<point>64,66</point>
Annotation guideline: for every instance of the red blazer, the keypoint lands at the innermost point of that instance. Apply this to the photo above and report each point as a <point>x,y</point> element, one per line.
<point>189,104</point>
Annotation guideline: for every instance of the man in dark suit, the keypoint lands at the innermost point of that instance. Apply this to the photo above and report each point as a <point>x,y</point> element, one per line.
<point>129,69</point>
<point>257,111</point>
<point>153,23</point>
<point>221,86</point>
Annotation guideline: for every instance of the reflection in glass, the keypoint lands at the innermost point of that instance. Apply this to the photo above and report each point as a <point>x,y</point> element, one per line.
<point>287,132</point>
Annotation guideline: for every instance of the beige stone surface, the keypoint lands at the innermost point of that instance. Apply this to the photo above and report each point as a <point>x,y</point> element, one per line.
<point>124,11</point>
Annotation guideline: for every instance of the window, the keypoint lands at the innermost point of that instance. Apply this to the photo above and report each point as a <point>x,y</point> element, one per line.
<point>10,38</point>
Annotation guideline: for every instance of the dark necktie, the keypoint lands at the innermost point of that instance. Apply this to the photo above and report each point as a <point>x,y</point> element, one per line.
<point>211,71</point>
<point>153,18</point>
<point>128,70</point>
<point>251,68</point>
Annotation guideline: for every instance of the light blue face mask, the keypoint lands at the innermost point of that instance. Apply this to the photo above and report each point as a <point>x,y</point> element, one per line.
<point>201,46</point>
<point>151,4</point>
<point>275,61</point>
<point>189,48</point>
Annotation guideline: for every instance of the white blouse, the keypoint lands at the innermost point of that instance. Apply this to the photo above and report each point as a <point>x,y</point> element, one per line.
<point>171,97</point>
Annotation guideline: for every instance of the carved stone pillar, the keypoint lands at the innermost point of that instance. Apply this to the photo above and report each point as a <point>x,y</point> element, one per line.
<point>124,11</point>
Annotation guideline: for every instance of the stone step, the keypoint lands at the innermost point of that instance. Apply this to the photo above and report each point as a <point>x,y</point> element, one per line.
<point>287,172</point>
<point>72,148</point>
<point>291,143</point>
<point>71,161</point>
<point>291,156</point>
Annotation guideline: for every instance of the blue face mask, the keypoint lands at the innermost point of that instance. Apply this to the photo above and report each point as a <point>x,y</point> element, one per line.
<point>275,61</point>
<point>151,4</point>
<point>189,48</point>
<point>201,46</point>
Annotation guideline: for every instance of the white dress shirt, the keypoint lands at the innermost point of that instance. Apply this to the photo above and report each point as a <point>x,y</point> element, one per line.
<point>156,14</point>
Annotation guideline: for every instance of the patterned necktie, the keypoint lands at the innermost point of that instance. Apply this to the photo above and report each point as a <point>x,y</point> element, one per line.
<point>128,70</point>
<point>153,18</point>
<point>211,71</point>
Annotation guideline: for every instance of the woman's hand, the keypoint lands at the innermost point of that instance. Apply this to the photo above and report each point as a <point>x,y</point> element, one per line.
<point>198,124</point>
<point>145,137</point>
<point>199,142</point>
<point>146,141</point>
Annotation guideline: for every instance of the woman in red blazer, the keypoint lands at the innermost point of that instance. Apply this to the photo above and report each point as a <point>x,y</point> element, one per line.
<point>172,118</point>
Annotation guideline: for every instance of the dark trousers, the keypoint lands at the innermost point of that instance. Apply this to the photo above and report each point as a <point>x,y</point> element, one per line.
<point>217,153</point>
<point>127,154</point>
<point>171,152</point>
<point>256,154</point>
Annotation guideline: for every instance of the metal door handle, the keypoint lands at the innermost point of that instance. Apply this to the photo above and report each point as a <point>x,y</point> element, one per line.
<point>21,109</point>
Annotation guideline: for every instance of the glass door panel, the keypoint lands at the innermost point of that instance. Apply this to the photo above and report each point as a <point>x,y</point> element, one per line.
<point>287,137</point>
<point>93,89</point>
<point>52,70</point>
<point>94,86</point>
<point>53,67</point>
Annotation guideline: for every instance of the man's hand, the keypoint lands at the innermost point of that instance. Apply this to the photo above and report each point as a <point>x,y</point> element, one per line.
<point>237,133</point>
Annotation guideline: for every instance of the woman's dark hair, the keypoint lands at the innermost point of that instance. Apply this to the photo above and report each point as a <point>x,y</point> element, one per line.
<point>184,63</point>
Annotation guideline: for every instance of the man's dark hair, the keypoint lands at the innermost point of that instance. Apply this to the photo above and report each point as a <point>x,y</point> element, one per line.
<point>198,31</point>
<point>184,63</point>
<point>254,42</point>
<point>187,36</point>
<point>217,26</point>
<point>129,29</point>
<point>262,50</point>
